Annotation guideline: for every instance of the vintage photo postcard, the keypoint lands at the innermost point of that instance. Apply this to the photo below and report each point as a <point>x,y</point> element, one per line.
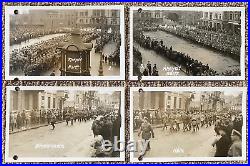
<point>188,124</point>
<point>187,43</point>
<point>64,42</point>
<point>64,124</point>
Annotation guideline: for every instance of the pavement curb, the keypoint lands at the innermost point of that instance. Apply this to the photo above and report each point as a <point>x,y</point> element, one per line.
<point>35,127</point>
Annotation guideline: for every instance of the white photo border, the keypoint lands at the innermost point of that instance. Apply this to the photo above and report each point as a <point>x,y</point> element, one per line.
<point>179,159</point>
<point>8,10</point>
<point>151,78</point>
<point>8,159</point>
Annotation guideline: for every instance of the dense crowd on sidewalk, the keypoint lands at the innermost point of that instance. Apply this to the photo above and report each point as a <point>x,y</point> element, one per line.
<point>192,66</point>
<point>22,33</point>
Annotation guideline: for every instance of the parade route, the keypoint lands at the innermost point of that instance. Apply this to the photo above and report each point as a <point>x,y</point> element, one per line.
<point>108,69</point>
<point>216,60</point>
<point>75,140</point>
<point>181,144</point>
<point>34,41</point>
<point>160,61</point>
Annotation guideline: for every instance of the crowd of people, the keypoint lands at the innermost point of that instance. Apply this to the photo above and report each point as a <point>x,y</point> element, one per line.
<point>137,61</point>
<point>30,118</point>
<point>87,37</point>
<point>228,129</point>
<point>34,59</point>
<point>223,42</point>
<point>227,126</point>
<point>44,56</point>
<point>149,70</point>
<point>21,33</point>
<point>193,67</point>
<point>190,65</point>
<point>114,57</point>
<point>143,69</point>
<point>105,127</point>
<point>106,124</point>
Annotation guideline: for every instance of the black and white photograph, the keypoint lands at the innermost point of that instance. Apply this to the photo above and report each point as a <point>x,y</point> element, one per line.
<point>79,42</point>
<point>187,43</point>
<point>124,83</point>
<point>188,124</point>
<point>45,124</point>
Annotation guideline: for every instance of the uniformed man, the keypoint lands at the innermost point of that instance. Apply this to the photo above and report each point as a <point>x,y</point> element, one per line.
<point>53,121</point>
<point>67,117</point>
<point>235,149</point>
<point>146,131</point>
<point>149,68</point>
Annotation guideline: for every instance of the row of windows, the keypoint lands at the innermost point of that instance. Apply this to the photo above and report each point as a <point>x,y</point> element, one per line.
<point>100,13</point>
<point>232,16</point>
<point>216,16</point>
<point>49,102</point>
<point>84,13</point>
<point>235,17</point>
<point>97,21</point>
<point>175,102</point>
<point>97,13</point>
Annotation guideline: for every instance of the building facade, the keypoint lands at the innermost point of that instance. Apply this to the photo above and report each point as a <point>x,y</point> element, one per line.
<point>36,100</point>
<point>222,20</point>
<point>51,100</point>
<point>98,18</point>
<point>163,101</point>
<point>192,18</point>
<point>68,18</point>
<point>110,100</point>
<point>176,100</point>
<point>233,102</point>
<point>208,101</point>
<point>24,100</point>
<point>148,16</point>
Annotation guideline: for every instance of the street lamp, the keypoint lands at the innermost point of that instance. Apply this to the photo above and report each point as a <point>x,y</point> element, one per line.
<point>100,52</point>
<point>101,66</point>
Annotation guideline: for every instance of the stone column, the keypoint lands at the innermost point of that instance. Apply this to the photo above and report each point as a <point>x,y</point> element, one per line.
<point>20,103</point>
<point>30,98</point>
<point>153,100</point>
<point>162,102</point>
<point>12,102</point>
<point>141,100</point>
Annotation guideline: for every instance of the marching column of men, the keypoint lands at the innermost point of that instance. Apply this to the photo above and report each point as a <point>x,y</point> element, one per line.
<point>27,119</point>
<point>227,127</point>
<point>106,123</point>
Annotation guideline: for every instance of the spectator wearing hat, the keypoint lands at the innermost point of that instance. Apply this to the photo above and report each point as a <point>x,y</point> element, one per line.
<point>237,123</point>
<point>222,143</point>
<point>235,149</point>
